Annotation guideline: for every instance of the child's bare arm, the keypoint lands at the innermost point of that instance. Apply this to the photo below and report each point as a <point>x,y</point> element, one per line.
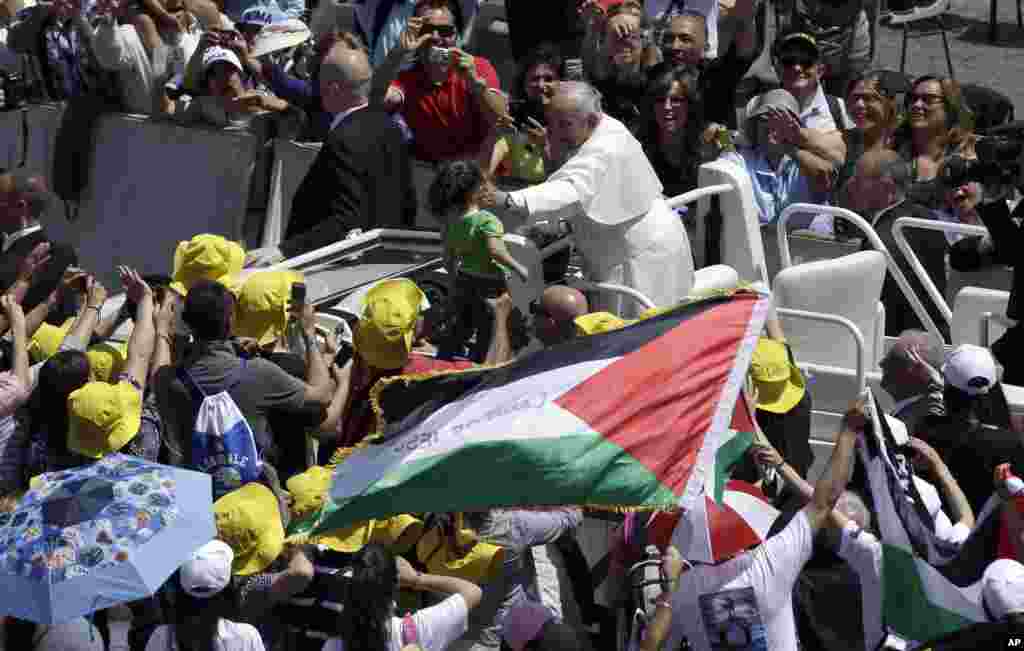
<point>499,253</point>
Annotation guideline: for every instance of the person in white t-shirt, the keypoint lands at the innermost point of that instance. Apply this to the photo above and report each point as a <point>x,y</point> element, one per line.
<point>205,597</point>
<point>860,548</point>
<point>746,602</point>
<point>368,620</point>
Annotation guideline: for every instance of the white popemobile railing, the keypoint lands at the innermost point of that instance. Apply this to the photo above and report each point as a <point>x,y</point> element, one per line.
<point>846,324</point>
<point>904,223</point>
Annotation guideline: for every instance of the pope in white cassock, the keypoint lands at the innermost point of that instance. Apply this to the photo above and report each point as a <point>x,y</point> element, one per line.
<point>611,197</point>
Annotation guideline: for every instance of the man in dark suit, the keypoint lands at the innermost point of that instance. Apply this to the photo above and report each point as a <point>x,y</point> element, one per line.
<point>24,199</point>
<point>362,176</point>
<point>877,191</point>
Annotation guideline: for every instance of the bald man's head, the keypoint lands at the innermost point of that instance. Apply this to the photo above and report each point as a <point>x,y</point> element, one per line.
<point>877,183</point>
<point>345,78</point>
<point>558,307</point>
<point>24,199</point>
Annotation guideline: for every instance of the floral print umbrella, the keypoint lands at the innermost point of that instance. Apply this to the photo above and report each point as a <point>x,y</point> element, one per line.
<point>89,538</point>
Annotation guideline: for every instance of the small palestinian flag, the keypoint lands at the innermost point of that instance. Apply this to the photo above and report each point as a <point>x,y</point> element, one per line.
<point>630,419</point>
<point>923,600</point>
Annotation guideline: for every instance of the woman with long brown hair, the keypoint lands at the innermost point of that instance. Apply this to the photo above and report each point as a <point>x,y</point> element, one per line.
<point>938,124</point>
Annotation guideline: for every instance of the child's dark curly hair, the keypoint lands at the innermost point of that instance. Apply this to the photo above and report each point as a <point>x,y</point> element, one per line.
<point>454,185</point>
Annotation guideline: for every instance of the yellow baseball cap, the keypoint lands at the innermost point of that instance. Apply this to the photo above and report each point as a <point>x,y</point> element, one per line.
<point>309,491</point>
<point>598,322</point>
<point>106,360</point>
<point>47,340</point>
<point>249,521</point>
<point>385,333</point>
<point>780,384</point>
<point>207,257</point>
<point>262,307</point>
<point>103,417</point>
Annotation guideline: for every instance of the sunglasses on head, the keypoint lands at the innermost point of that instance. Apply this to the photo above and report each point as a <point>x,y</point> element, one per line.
<point>443,31</point>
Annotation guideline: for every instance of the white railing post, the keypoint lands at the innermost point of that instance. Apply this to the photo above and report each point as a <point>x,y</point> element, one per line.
<point>915,263</point>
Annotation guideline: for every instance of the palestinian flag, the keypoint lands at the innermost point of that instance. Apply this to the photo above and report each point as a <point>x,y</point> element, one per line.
<point>630,419</point>
<point>921,600</point>
<point>728,519</point>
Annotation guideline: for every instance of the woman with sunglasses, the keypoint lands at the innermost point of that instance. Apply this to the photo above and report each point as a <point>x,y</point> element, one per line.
<point>871,102</point>
<point>938,124</point>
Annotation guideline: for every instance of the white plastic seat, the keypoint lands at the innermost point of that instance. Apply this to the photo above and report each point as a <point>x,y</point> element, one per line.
<point>714,278</point>
<point>970,305</point>
<point>741,246</point>
<point>849,287</point>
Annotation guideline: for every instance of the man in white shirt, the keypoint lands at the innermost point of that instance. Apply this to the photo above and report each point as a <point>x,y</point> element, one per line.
<point>746,602</point>
<point>851,520</point>
<point>815,133</point>
<point>607,191</point>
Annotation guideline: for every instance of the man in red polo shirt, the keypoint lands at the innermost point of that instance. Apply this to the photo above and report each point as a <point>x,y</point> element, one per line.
<point>450,99</point>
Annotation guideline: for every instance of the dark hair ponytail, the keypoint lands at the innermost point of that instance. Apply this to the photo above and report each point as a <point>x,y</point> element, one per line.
<point>454,185</point>
<point>60,376</point>
<point>366,619</point>
<point>195,621</point>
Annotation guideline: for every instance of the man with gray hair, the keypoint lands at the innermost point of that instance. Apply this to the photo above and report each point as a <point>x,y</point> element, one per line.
<point>878,192</point>
<point>910,376</point>
<point>607,193</point>
<point>362,176</point>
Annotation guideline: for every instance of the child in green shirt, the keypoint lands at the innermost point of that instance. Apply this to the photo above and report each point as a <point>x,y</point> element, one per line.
<point>476,258</point>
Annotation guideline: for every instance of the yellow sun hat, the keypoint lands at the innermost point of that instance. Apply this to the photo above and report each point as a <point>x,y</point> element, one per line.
<point>207,257</point>
<point>460,553</point>
<point>249,521</point>
<point>780,384</point>
<point>103,417</point>
<point>262,308</point>
<point>47,340</point>
<point>309,491</point>
<point>106,360</point>
<point>385,333</point>
<point>596,323</point>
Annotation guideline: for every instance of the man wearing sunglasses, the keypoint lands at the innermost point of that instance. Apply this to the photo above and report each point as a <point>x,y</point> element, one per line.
<point>450,99</point>
<point>813,135</point>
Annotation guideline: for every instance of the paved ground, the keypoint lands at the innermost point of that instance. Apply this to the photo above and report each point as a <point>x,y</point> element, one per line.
<point>999,65</point>
<point>975,60</point>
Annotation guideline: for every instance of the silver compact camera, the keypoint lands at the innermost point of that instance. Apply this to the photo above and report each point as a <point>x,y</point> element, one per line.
<point>439,56</point>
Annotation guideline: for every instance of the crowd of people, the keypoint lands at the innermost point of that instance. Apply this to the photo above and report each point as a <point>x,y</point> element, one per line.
<point>616,106</point>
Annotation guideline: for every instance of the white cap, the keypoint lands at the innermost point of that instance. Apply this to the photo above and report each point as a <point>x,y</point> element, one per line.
<point>216,54</point>
<point>209,570</point>
<point>970,368</point>
<point>1002,588</point>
